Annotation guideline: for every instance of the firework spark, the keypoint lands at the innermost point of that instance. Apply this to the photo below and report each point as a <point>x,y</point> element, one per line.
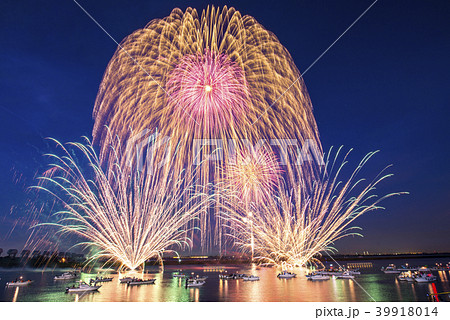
<point>129,215</point>
<point>300,223</point>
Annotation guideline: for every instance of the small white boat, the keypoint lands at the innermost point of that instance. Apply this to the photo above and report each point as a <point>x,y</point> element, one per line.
<point>407,276</point>
<point>190,279</point>
<point>179,275</point>
<point>18,283</point>
<point>101,279</point>
<point>251,278</point>
<point>286,275</point>
<point>195,283</point>
<point>66,276</point>
<point>82,287</point>
<point>354,271</point>
<point>232,276</point>
<point>425,277</point>
<point>404,275</point>
<point>314,277</point>
<point>137,282</point>
<point>346,275</point>
<point>126,279</point>
<point>407,267</point>
<point>390,269</point>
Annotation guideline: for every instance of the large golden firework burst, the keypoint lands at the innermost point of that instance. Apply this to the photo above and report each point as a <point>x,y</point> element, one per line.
<point>218,75</point>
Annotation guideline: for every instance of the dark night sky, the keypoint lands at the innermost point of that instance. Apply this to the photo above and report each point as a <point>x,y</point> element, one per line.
<point>384,85</point>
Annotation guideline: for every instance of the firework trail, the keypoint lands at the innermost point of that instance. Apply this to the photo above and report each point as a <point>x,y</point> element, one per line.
<point>252,174</point>
<point>295,226</point>
<point>128,214</point>
<point>218,75</point>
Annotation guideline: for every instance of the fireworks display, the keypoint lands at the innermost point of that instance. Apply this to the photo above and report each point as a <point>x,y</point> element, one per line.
<point>219,76</point>
<point>294,227</point>
<point>222,80</point>
<point>129,215</point>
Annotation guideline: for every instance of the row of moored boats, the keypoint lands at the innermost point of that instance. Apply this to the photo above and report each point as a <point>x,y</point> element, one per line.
<point>327,275</point>
<point>411,274</point>
<point>405,273</point>
<point>237,276</point>
<point>199,281</point>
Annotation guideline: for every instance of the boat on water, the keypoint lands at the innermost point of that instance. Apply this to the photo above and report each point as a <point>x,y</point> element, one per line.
<point>82,287</point>
<point>422,277</point>
<point>286,275</point>
<point>337,272</point>
<point>407,267</point>
<point>232,276</point>
<point>126,279</point>
<point>137,282</point>
<point>390,269</point>
<point>438,267</point>
<point>318,276</point>
<point>179,275</point>
<point>101,279</point>
<point>353,272</point>
<point>346,275</point>
<point>195,283</point>
<point>19,283</point>
<point>251,278</point>
<point>424,269</point>
<point>66,276</point>
<point>190,279</point>
<point>405,276</point>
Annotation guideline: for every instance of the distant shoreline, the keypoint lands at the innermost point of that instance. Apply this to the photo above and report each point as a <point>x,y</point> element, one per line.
<point>231,260</point>
<point>344,257</point>
<point>18,262</point>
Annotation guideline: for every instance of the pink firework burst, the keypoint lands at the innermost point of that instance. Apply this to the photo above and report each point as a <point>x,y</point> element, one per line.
<point>254,174</point>
<point>209,88</point>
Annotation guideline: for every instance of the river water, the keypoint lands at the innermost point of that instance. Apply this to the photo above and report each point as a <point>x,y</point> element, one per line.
<point>371,285</point>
